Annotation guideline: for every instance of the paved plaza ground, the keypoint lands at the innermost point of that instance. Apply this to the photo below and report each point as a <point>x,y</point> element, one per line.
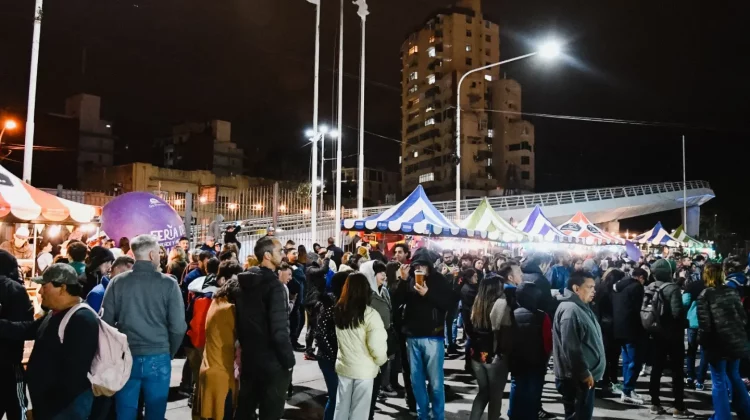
<point>310,396</point>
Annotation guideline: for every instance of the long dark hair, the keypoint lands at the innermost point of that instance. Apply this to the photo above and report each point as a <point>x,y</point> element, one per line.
<point>349,311</point>
<point>490,290</point>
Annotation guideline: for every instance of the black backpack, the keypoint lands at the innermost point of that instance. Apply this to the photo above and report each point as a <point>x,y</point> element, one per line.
<point>652,308</point>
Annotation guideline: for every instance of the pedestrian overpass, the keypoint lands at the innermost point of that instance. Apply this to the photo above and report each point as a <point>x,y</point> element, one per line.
<point>603,206</point>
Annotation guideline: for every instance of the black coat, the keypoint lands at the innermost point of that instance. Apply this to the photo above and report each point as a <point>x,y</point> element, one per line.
<point>262,323</point>
<point>338,253</point>
<point>468,296</point>
<point>15,306</point>
<point>602,307</point>
<point>627,297</point>
<point>528,354</point>
<point>722,321</point>
<point>315,285</point>
<point>533,274</point>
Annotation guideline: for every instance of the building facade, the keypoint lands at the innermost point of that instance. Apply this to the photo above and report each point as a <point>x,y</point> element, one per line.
<point>494,157</point>
<point>192,143</point>
<point>96,144</point>
<point>381,187</point>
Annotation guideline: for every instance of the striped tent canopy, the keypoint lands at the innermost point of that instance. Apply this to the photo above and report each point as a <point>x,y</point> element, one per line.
<point>20,202</point>
<point>657,236</point>
<point>690,242</point>
<point>415,215</point>
<point>538,224</point>
<point>580,227</point>
<point>485,218</point>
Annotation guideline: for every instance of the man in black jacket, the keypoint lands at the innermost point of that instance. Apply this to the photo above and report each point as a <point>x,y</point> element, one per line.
<point>315,287</point>
<point>15,307</point>
<point>534,270</point>
<point>337,252</point>
<point>424,324</point>
<point>627,298</point>
<point>263,332</point>
<point>297,295</point>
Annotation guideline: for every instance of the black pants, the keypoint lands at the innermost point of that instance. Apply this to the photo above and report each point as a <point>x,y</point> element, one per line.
<point>406,370</point>
<point>376,392</point>
<point>294,323</point>
<point>612,351</point>
<point>674,349</point>
<point>12,392</point>
<point>265,393</point>
<point>450,318</point>
<point>312,322</point>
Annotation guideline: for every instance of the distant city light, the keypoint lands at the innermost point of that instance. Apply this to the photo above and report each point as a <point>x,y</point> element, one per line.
<point>257,206</point>
<point>203,199</point>
<point>305,211</point>
<point>10,125</point>
<point>550,49</point>
<point>232,206</point>
<point>282,207</point>
<point>178,202</point>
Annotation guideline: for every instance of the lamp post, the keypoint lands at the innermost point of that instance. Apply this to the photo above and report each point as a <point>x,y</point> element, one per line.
<point>8,125</point>
<point>337,203</point>
<point>362,12</point>
<point>314,135</point>
<point>333,134</point>
<point>28,150</point>
<point>548,50</point>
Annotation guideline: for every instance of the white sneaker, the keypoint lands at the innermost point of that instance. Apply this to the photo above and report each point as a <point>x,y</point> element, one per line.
<point>645,371</point>
<point>633,398</point>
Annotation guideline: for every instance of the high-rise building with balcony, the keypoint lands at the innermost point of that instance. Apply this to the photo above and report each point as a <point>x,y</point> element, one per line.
<point>497,148</point>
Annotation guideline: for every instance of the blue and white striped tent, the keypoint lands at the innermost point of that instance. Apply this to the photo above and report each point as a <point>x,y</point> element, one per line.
<point>536,223</point>
<point>657,236</point>
<point>415,216</point>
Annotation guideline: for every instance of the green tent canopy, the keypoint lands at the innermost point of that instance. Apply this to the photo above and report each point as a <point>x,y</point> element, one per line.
<point>683,237</point>
<point>485,218</point>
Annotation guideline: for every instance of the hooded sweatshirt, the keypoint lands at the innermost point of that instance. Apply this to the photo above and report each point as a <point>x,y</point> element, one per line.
<point>577,340</point>
<point>381,299</point>
<point>627,298</point>
<point>424,316</point>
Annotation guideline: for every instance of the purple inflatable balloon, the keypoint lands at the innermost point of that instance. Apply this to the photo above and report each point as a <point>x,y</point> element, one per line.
<point>140,213</point>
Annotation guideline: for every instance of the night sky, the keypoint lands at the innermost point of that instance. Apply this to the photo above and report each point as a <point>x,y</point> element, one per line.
<point>156,63</point>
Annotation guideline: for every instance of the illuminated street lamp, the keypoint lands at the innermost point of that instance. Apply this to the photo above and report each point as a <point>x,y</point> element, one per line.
<point>549,50</point>
<point>8,125</point>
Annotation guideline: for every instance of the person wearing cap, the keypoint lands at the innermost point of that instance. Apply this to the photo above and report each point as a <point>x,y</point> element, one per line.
<point>100,262</point>
<point>19,246</point>
<point>14,306</point>
<point>57,372</point>
<point>147,307</point>
<point>670,342</point>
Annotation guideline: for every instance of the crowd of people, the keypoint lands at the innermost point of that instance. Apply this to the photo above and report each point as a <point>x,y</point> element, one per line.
<point>377,328</point>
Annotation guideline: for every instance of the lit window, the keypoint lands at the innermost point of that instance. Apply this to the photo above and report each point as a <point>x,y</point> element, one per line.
<point>413,76</point>
<point>400,160</point>
<point>416,153</point>
<point>468,47</point>
<point>430,121</point>
<point>489,175</point>
<point>413,50</point>
<point>488,77</point>
<point>415,101</point>
<point>429,109</point>
<point>413,89</point>
<point>431,79</point>
<point>427,177</point>
<point>432,39</point>
<point>489,161</point>
<point>431,52</point>
<point>490,133</point>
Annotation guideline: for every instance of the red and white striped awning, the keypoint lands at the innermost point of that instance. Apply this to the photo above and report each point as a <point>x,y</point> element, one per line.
<point>20,202</point>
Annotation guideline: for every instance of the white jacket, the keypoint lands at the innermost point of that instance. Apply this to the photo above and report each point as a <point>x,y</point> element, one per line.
<point>362,350</point>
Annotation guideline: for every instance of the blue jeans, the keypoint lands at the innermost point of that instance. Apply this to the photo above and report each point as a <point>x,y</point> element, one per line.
<point>152,374</point>
<point>632,362</point>
<point>332,384</point>
<point>725,376</point>
<point>451,326</point>
<point>525,395</point>
<point>79,409</point>
<point>578,401</point>
<point>426,357</point>
<point>692,350</point>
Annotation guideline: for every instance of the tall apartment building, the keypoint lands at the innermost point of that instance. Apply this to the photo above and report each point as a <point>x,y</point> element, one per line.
<point>497,149</point>
<point>381,187</point>
<point>202,146</point>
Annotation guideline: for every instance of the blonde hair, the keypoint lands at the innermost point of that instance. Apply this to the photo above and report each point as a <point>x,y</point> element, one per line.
<point>713,275</point>
<point>345,258</point>
<point>252,261</point>
<point>177,254</point>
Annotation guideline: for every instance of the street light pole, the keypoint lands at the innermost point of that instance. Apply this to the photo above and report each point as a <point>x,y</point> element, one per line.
<point>337,211</point>
<point>28,149</point>
<point>458,124</point>
<point>316,84</point>
<point>362,12</point>
<point>322,173</point>
<point>8,125</point>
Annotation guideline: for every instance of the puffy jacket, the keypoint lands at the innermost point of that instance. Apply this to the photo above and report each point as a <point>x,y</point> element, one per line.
<point>627,297</point>
<point>722,320</point>
<point>602,307</point>
<point>738,282</point>
<point>362,350</point>
<point>578,342</point>
<point>532,333</point>
<point>316,282</point>
<point>533,274</point>
<point>424,316</point>
<point>262,323</point>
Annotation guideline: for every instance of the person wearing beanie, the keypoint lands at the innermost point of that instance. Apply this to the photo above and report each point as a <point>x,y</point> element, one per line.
<point>669,343</point>
<point>19,245</point>
<point>100,261</point>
